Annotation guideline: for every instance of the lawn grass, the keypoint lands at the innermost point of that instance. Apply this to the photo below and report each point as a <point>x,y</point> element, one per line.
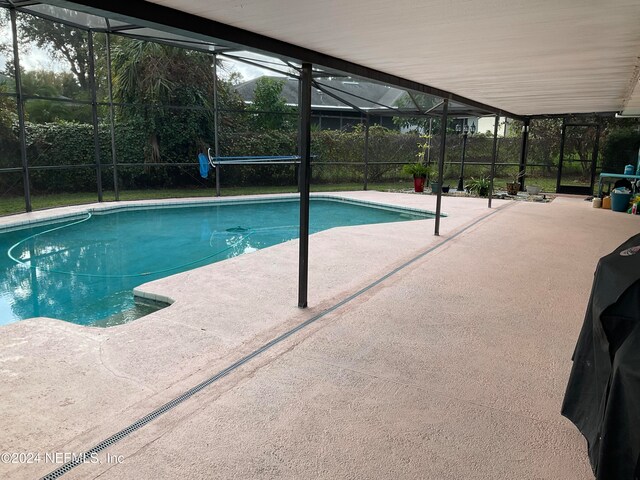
<point>11,205</point>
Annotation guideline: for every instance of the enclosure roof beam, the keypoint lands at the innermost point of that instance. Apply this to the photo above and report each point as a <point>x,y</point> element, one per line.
<point>22,7</point>
<point>22,3</point>
<point>432,108</point>
<point>333,95</point>
<point>258,64</point>
<point>360,97</point>
<point>200,47</point>
<point>413,99</point>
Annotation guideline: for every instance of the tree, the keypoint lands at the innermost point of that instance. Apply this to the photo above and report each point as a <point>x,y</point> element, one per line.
<point>61,42</point>
<point>50,84</point>
<point>154,78</point>
<point>9,145</point>
<point>580,141</point>
<point>6,47</point>
<point>620,149</point>
<point>545,142</point>
<point>267,97</point>
<point>53,85</point>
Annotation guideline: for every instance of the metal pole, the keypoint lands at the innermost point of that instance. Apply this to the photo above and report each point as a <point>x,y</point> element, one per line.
<point>443,148</point>
<point>366,152</point>
<point>523,151</point>
<point>561,159</point>
<point>300,148</point>
<point>20,107</point>
<point>216,145</point>
<point>594,162</point>
<point>305,170</point>
<point>428,159</point>
<point>464,151</point>
<point>494,157</point>
<point>112,120</point>
<point>94,115</point>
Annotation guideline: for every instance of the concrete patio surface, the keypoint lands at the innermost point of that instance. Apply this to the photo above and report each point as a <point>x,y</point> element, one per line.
<point>453,367</point>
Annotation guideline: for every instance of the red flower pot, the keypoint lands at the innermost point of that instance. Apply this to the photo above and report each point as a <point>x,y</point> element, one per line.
<point>418,183</point>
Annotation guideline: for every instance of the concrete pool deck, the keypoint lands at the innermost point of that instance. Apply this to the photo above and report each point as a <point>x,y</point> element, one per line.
<point>454,367</point>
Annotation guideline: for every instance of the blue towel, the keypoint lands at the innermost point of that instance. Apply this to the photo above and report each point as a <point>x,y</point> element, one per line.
<point>204,165</point>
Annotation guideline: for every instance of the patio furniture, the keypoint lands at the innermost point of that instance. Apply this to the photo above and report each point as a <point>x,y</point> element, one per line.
<point>603,393</point>
<point>613,176</point>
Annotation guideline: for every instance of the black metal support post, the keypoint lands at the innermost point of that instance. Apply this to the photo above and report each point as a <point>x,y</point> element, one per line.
<point>305,176</point>
<point>494,157</point>
<point>428,152</point>
<point>94,114</point>
<point>594,155</point>
<point>300,147</point>
<point>114,157</point>
<point>216,143</point>
<point>366,152</point>
<point>524,150</point>
<point>443,148</point>
<point>464,152</point>
<point>561,160</point>
<point>20,107</point>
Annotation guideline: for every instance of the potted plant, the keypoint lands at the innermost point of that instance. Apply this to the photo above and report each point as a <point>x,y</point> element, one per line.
<point>513,187</point>
<point>479,186</point>
<point>420,172</point>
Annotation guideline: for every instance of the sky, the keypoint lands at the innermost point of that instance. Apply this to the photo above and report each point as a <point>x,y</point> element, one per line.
<point>35,59</point>
<point>247,71</point>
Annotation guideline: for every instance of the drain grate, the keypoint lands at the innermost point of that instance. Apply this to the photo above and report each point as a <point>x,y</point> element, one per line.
<point>57,473</point>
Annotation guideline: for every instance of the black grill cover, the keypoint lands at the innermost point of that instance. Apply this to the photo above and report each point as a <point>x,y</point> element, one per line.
<point>603,394</point>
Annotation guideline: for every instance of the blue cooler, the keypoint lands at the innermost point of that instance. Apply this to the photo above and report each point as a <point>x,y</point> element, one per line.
<point>620,201</point>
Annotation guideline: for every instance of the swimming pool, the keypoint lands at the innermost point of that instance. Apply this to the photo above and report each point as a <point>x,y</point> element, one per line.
<point>84,269</point>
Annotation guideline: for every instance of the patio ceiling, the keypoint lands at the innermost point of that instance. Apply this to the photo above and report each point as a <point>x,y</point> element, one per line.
<point>527,58</point>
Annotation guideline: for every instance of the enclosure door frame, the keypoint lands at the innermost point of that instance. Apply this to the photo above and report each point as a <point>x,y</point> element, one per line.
<point>574,189</point>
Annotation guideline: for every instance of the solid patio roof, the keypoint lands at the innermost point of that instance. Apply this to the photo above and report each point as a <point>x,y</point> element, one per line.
<point>519,57</point>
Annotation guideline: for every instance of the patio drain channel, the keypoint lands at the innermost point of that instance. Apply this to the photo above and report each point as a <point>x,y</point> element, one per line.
<point>89,454</point>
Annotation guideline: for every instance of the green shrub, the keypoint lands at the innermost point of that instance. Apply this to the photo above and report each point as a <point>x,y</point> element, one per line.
<point>620,149</point>
<point>479,186</point>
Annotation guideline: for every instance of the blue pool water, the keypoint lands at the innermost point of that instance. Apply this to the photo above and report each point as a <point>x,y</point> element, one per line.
<point>84,270</point>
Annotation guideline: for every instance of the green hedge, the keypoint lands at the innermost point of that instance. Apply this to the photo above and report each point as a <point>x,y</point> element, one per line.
<point>620,149</point>
<point>64,144</point>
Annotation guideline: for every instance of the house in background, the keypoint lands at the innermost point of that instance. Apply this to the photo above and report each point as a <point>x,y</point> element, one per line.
<point>329,113</point>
